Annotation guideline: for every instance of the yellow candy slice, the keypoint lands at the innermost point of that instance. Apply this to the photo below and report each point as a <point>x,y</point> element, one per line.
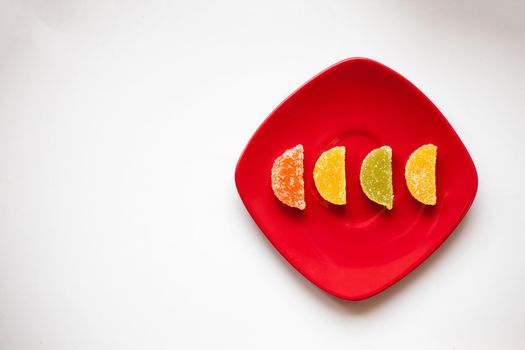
<point>376,176</point>
<point>329,175</point>
<point>420,174</point>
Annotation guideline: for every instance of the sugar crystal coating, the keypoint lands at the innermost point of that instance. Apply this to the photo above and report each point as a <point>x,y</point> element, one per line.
<point>287,177</point>
<point>329,175</point>
<point>376,176</point>
<point>420,174</point>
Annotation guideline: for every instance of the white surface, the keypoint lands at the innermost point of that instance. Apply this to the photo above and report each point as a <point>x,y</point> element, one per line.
<point>120,127</point>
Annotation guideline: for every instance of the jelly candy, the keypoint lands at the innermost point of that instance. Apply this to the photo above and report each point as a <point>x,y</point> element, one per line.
<point>376,176</point>
<point>420,174</point>
<point>287,177</point>
<point>329,175</point>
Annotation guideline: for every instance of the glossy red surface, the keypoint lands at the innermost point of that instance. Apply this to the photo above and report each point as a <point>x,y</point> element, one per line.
<point>357,250</point>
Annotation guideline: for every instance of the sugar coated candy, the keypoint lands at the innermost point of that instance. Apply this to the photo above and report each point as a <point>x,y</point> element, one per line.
<point>376,176</point>
<point>329,175</point>
<point>420,174</point>
<point>287,177</point>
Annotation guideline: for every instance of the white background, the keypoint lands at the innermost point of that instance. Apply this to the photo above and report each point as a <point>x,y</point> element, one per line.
<point>120,126</point>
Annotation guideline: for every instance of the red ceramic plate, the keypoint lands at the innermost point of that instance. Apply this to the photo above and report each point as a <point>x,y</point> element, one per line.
<point>357,250</point>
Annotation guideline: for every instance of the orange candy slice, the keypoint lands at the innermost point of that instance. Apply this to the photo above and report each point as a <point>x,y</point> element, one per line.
<point>329,175</point>
<point>287,177</point>
<point>420,174</point>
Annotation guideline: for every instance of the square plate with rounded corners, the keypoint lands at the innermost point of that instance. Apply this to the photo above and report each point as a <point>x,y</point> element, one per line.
<point>358,250</point>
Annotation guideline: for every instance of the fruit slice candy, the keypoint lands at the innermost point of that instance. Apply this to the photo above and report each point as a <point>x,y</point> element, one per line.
<point>329,175</point>
<point>420,174</point>
<point>376,176</point>
<point>287,177</point>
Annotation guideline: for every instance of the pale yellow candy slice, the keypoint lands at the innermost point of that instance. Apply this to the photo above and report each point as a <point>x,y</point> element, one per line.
<point>420,174</point>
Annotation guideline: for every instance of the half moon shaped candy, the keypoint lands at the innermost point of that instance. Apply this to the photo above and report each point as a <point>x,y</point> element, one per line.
<point>376,176</point>
<point>287,177</point>
<point>329,175</point>
<point>420,174</point>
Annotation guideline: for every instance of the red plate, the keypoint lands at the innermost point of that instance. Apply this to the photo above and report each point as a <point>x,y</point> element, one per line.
<point>357,250</point>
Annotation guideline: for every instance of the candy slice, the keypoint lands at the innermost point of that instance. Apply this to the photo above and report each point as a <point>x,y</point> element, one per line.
<point>287,177</point>
<point>329,175</point>
<point>376,176</point>
<point>420,174</point>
